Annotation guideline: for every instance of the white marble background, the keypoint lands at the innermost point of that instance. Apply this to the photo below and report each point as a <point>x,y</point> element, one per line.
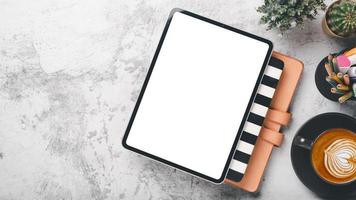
<point>70,72</point>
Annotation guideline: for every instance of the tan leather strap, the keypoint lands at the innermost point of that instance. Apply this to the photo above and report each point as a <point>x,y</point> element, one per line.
<point>273,137</point>
<point>278,116</point>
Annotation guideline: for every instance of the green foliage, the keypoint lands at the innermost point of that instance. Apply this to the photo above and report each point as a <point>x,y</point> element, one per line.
<point>341,18</point>
<point>286,14</point>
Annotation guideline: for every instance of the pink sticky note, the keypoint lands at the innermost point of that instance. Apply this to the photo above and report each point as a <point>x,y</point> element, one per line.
<point>343,61</point>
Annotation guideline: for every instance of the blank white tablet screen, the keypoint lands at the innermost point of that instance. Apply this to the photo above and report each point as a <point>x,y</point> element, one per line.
<point>197,95</point>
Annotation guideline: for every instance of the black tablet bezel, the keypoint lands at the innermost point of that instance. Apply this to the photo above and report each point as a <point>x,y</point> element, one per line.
<point>232,151</point>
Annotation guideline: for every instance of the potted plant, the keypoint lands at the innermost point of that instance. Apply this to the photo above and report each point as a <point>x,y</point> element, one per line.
<point>286,14</point>
<point>340,19</point>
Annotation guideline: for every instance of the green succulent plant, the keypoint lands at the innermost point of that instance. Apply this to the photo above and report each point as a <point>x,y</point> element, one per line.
<point>341,18</point>
<point>286,14</point>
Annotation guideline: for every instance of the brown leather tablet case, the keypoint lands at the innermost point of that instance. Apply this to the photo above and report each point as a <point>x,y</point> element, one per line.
<point>277,116</point>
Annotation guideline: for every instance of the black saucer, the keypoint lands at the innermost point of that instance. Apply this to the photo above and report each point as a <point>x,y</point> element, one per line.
<point>301,157</point>
<point>322,85</point>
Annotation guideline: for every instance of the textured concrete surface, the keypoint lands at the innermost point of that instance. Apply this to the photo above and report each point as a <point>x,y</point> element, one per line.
<point>70,72</point>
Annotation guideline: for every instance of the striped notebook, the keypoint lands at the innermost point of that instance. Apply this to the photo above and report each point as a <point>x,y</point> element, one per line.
<point>255,119</point>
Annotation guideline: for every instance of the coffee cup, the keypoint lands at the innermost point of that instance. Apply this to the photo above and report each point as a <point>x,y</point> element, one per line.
<point>309,137</point>
<point>332,154</point>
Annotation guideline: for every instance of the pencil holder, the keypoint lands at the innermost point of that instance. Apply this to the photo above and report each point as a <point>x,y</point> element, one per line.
<point>335,76</point>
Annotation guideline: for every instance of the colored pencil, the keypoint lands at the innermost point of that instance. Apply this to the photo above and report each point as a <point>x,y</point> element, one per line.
<point>330,61</point>
<point>336,91</point>
<point>345,97</point>
<point>346,79</point>
<point>342,87</point>
<point>335,66</point>
<point>328,68</point>
<point>340,76</point>
<point>335,78</point>
<point>331,81</point>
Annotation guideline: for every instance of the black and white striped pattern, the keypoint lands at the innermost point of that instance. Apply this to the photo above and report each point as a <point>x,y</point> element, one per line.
<point>255,119</point>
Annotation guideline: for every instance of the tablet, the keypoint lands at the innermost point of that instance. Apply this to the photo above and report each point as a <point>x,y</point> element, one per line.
<point>198,91</point>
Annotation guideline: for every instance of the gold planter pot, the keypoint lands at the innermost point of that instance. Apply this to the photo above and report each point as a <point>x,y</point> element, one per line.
<point>325,25</point>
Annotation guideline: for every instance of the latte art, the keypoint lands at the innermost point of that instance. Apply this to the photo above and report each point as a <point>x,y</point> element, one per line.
<point>340,158</point>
